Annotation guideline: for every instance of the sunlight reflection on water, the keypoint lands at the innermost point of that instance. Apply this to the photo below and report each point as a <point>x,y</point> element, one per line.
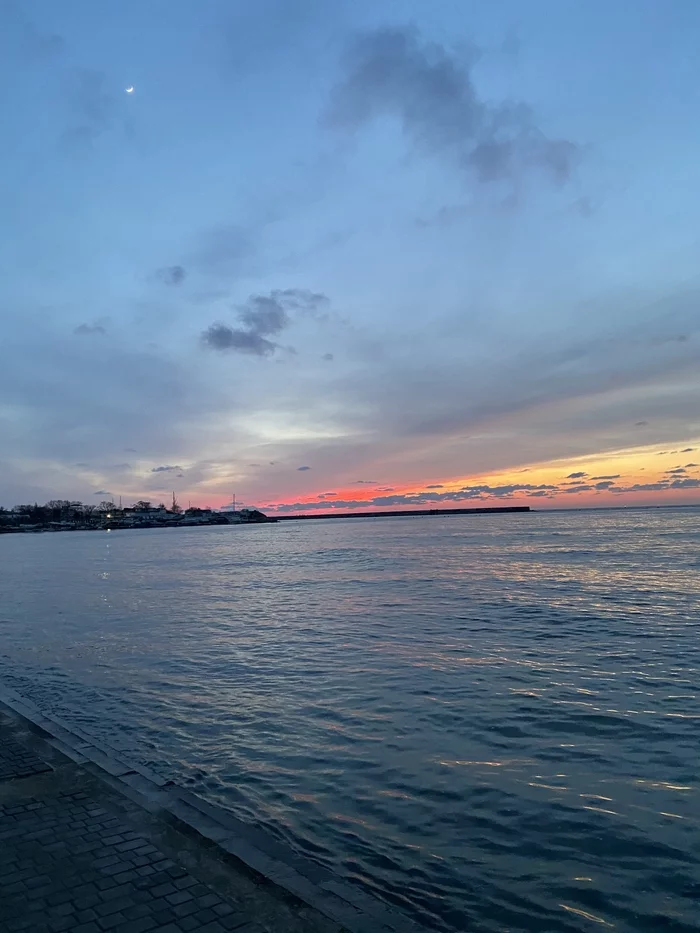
<point>490,721</point>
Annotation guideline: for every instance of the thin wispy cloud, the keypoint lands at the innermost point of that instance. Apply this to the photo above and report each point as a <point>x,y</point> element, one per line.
<point>172,275</point>
<point>88,330</point>
<point>94,105</point>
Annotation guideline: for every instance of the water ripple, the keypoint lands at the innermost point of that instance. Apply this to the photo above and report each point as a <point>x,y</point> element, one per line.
<point>490,722</point>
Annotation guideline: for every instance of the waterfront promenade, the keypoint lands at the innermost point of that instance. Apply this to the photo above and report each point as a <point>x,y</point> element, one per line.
<point>89,844</point>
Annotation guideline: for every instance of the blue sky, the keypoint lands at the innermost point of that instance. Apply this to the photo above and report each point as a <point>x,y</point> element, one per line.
<point>414,242</point>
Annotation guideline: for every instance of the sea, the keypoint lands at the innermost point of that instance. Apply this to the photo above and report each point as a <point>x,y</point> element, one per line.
<point>490,722</point>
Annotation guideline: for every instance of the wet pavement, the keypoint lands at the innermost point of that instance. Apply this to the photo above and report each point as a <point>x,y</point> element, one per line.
<point>77,856</point>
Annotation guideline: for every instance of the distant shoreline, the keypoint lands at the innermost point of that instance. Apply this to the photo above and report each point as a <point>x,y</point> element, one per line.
<point>221,519</point>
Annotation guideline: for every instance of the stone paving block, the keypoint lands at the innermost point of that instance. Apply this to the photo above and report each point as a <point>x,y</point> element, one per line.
<point>18,761</point>
<point>62,885</point>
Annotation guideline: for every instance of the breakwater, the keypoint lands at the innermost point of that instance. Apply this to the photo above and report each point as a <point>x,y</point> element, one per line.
<point>412,513</point>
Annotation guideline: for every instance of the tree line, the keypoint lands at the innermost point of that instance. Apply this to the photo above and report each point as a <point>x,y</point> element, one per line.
<point>64,510</point>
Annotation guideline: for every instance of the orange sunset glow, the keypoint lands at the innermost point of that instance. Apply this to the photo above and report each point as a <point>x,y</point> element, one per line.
<point>643,476</point>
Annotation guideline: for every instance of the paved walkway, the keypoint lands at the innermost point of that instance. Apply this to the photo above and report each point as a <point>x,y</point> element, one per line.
<point>77,856</point>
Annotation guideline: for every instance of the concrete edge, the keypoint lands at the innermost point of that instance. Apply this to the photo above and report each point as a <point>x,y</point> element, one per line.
<point>258,853</point>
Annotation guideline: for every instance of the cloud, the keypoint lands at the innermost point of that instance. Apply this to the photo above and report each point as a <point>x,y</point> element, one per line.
<point>95,107</point>
<point>129,450</point>
<point>481,492</point>
<point>435,486</point>
<point>302,469</point>
<point>221,337</point>
<point>646,487</point>
<point>264,314</point>
<point>613,476</point>
<point>224,251</point>
<point>22,36</point>
<point>327,356</point>
<point>393,72</point>
<point>640,424</point>
<point>261,317</point>
<point>166,469</point>
<point>689,465</point>
<point>171,275</point>
<point>576,475</point>
<point>86,330</point>
<point>687,483</point>
<point>676,470</point>
<point>366,482</point>
<point>687,450</point>
<point>606,484</point>
<point>102,492</point>
<point>303,300</point>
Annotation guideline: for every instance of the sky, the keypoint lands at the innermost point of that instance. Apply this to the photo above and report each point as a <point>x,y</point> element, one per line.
<point>356,254</point>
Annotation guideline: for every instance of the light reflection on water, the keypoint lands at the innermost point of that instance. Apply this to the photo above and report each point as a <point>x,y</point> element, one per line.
<point>490,721</point>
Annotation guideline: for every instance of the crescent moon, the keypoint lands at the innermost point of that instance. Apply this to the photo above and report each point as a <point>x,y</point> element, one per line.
<point>130,90</point>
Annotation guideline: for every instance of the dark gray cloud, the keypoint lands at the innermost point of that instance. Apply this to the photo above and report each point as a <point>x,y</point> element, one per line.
<point>646,487</point>
<point>262,317</point>
<point>640,424</point>
<point>327,356</point>
<point>166,469</point>
<point>676,470</point>
<point>86,330</point>
<point>223,337</point>
<point>612,476</point>
<point>303,469</point>
<point>435,486</point>
<point>102,492</point>
<point>366,482</point>
<point>393,72</point>
<point>171,275</point>
<point>605,484</point>
<point>687,450</point>
<point>575,475</point>
<point>689,465</point>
